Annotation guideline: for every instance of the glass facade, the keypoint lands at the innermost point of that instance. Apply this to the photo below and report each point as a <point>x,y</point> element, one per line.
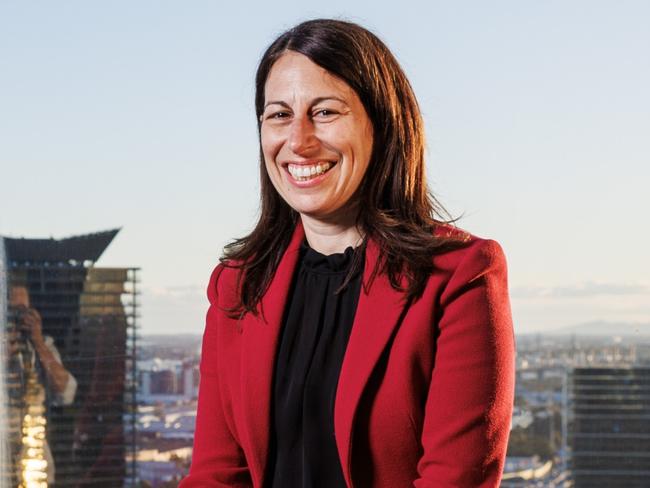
<point>4,414</point>
<point>69,370</point>
<point>610,426</point>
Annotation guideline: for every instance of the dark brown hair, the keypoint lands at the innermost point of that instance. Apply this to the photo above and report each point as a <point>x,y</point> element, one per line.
<point>399,213</point>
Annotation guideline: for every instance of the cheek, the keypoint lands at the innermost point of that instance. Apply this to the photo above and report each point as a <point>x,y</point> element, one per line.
<point>364,152</point>
<point>271,145</point>
<point>272,169</point>
<point>273,172</point>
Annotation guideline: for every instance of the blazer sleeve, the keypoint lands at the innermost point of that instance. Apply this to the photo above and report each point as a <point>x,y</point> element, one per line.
<point>469,405</point>
<point>217,459</point>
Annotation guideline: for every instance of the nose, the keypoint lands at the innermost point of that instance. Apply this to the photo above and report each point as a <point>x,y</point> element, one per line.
<point>302,137</point>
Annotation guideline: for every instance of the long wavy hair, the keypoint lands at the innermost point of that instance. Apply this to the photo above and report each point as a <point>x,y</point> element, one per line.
<point>398,211</point>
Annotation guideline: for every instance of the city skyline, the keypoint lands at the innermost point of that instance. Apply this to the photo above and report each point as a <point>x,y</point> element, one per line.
<point>534,116</point>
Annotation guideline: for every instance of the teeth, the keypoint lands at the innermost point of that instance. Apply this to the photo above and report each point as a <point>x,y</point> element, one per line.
<point>304,173</point>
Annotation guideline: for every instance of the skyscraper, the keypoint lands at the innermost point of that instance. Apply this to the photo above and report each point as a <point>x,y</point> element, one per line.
<point>4,414</point>
<point>88,317</point>
<point>610,426</point>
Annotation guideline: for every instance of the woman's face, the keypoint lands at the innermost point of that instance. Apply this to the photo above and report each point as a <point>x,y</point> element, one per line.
<point>316,137</point>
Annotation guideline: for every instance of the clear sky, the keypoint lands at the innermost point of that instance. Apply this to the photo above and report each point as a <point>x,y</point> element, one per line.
<point>139,114</point>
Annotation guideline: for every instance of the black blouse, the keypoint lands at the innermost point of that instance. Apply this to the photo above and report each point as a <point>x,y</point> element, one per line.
<point>316,328</point>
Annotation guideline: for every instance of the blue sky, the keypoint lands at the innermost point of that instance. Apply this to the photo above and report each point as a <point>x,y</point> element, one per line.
<point>140,115</point>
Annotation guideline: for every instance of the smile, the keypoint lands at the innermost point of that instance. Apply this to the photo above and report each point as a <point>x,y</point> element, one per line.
<point>305,172</point>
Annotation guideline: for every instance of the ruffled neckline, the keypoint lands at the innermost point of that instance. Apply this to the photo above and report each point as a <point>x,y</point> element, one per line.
<point>332,263</point>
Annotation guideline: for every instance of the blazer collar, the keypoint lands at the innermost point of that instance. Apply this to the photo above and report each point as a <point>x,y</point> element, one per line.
<point>377,315</point>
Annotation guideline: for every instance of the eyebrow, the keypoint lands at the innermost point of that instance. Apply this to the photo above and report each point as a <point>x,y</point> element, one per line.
<point>315,101</point>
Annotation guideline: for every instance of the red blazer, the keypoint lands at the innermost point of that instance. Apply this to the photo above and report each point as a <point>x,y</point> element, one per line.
<point>424,396</point>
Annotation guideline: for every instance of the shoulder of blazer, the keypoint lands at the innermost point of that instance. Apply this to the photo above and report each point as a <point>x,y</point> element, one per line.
<point>476,253</point>
<point>222,287</point>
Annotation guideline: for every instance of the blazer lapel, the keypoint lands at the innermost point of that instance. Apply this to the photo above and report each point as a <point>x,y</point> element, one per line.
<point>378,313</point>
<point>260,339</point>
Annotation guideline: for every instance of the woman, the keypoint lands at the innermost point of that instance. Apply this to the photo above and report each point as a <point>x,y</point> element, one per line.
<point>353,339</point>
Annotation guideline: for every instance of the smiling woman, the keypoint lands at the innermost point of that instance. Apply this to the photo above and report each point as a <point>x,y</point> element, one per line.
<point>354,338</point>
<point>316,139</point>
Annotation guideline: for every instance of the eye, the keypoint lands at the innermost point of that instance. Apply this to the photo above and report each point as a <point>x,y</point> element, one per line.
<point>324,113</point>
<point>278,115</point>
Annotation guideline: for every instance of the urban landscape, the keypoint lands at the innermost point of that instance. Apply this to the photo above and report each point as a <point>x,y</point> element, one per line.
<point>436,208</point>
<point>581,414</point>
<point>562,380</point>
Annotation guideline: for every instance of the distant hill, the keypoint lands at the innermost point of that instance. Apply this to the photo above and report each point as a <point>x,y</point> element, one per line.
<point>603,328</point>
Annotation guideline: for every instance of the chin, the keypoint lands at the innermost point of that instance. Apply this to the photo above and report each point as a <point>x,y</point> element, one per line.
<point>312,212</point>
<point>306,205</point>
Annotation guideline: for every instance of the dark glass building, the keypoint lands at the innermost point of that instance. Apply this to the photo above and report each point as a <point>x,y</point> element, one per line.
<point>89,321</point>
<point>609,431</point>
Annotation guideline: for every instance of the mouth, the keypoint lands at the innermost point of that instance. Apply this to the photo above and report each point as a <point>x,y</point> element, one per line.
<point>306,172</point>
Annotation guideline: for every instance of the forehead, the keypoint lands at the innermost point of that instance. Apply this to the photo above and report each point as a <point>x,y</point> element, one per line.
<point>295,75</point>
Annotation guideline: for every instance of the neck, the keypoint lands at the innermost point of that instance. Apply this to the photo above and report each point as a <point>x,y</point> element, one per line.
<point>329,237</point>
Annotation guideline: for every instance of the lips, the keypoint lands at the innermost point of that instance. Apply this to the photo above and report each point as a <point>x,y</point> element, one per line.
<point>306,172</point>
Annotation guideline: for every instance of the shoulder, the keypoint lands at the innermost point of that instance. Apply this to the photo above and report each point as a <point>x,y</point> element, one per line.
<point>218,332</point>
<point>472,259</point>
<point>470,283</point>
<point>223,284</point>
<point>468,248</point>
